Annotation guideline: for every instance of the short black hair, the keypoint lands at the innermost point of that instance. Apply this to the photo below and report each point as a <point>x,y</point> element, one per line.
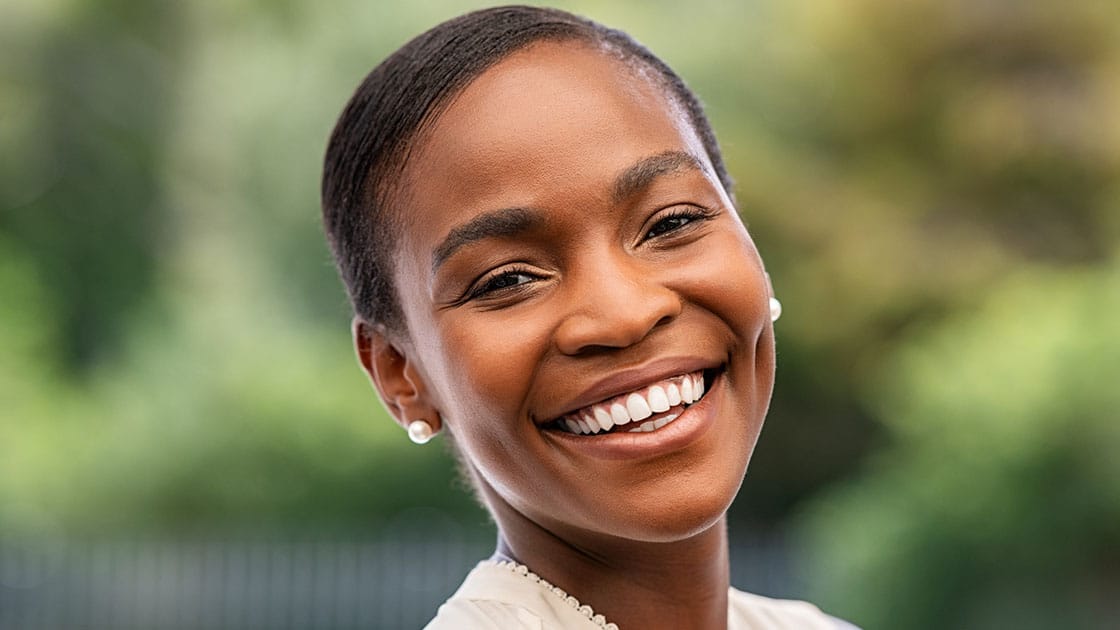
<point>401,96</point>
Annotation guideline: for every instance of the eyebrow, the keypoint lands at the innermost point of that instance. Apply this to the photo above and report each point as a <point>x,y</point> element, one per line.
<point>642,173</point>
<point>509,222</point>
<point>502,223</point>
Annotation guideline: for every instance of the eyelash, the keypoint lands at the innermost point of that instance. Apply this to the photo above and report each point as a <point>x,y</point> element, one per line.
<point>692,214</point>
<point>485,285</point>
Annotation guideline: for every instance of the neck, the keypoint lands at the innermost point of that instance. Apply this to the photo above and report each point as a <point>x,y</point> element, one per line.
<point>681,584</point>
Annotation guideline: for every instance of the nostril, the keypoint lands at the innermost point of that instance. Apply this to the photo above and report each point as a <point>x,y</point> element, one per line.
<point>612,310</point>
<point>593,349</point>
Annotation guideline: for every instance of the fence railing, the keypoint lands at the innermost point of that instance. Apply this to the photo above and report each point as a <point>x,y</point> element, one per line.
<point>273,585</point>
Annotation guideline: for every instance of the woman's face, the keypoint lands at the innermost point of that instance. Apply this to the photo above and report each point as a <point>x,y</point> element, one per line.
<point>566,245</point>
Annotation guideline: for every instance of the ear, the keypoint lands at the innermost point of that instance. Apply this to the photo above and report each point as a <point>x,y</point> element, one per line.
<point>395,376</point>
<point>769,285</point>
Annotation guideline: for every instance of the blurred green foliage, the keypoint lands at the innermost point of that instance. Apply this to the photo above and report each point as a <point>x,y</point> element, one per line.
<point>935,187</point>
<point>997,502</point>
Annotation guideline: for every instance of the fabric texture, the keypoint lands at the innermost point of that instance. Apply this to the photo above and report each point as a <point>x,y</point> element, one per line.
<point>506,596</point>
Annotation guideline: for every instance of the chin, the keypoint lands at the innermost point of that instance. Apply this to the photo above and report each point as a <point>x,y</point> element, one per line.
<point>681,515</point>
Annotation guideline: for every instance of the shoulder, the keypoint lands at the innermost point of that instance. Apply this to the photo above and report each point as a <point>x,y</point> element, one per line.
<point>460,613</point>
<point>747,610</point>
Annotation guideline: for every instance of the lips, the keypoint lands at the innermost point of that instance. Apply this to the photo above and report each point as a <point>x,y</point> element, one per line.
<point>645,409</point>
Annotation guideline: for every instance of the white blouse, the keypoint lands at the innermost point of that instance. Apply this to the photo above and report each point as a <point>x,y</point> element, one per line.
<point>507,596</point>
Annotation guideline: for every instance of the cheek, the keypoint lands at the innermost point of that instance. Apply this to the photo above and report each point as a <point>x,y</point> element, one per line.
<point>490,360</point>
<point>726,278</point>
<point>477,364</point>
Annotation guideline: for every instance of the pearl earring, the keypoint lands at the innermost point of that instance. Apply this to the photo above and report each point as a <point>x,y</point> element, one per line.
<point>419,431</point>
<point>775,309</point>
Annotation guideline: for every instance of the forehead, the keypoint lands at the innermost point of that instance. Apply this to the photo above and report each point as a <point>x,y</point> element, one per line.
<point>549,119</point>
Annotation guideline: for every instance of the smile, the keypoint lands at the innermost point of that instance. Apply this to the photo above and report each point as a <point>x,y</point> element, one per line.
<point>643,410</point>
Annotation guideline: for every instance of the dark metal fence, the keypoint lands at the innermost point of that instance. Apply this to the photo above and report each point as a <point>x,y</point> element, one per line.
<point>158,585</point>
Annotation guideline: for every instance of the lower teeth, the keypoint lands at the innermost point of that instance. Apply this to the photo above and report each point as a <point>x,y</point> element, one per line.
<point>654,425</point>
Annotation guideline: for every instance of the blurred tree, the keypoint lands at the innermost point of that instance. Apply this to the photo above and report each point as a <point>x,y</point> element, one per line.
<point>92,93</point>
<point>997,503</point>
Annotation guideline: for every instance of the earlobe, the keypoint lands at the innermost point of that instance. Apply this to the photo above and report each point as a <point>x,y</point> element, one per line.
<point>395,377</point>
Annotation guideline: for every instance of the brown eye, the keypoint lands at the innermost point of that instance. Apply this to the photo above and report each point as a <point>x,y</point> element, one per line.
<point>502,282</point>
<point>682,218</point>
<point>668,224</point>
<point>507,280</point>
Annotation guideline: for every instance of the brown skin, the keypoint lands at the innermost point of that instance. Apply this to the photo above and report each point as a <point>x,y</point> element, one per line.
<point>511,332</point>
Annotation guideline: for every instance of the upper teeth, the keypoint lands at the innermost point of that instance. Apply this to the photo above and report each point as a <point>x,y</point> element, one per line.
<point>637,406</point>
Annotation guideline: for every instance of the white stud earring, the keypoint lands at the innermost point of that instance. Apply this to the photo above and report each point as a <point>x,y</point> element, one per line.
<point>775,309</point>
<point>419,431</point>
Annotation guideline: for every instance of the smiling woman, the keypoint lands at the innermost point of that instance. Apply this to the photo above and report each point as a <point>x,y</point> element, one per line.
<point>536,229</point>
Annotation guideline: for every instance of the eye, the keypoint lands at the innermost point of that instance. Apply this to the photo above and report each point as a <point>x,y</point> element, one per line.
<point>677,220</point>
<point>668,224</point>
<point>500,282</point>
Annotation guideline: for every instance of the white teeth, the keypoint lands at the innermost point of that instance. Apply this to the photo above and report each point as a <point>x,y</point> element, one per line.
<point>686,390</point>
<point>673,394</point>
<point>638,407</point>
<point>631,409</point>
<point>619,414</point>
<point>657,424</point>
<point>658,401</point>
<point>654,425</point>
<point>603,417</point>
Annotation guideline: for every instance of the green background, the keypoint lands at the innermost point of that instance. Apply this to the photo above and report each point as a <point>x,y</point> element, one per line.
<point>935,187</point>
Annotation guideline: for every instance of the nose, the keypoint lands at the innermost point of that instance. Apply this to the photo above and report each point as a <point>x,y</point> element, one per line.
<point>614,304</point>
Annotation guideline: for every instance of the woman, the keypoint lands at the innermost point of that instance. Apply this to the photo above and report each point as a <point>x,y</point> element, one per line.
<point>535,226</point>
